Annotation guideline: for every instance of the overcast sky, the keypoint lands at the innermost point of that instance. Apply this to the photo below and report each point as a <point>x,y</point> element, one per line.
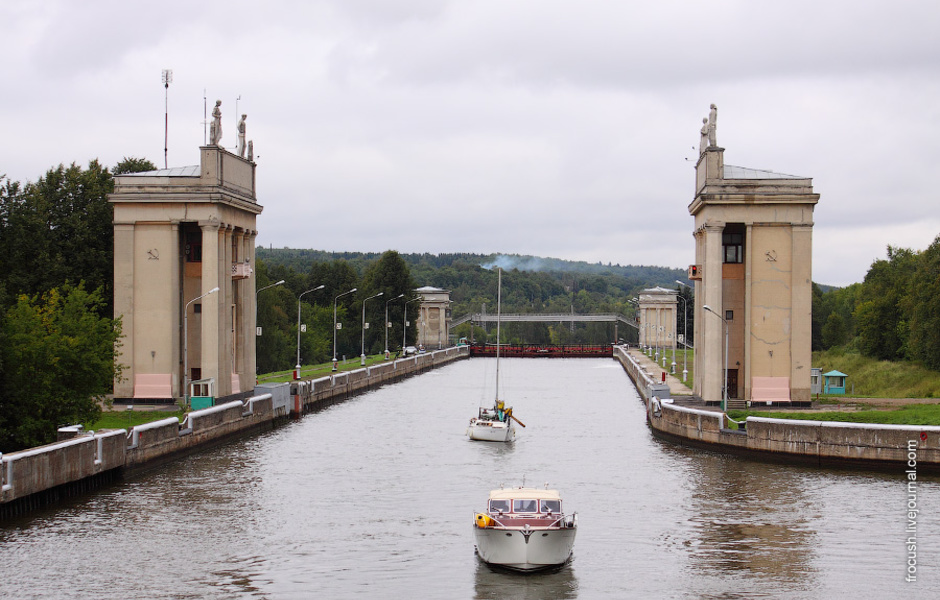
<point>544,127</point>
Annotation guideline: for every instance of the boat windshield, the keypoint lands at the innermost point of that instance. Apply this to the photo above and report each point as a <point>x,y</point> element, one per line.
<point>551,506</point>
<point>499,506</point>
<point>524,506</point>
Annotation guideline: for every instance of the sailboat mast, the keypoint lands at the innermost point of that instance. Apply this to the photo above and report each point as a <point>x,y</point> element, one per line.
<point>499,300</point>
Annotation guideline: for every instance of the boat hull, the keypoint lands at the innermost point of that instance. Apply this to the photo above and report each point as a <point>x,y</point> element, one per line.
<point>491,431</point>
<point>519,550</point>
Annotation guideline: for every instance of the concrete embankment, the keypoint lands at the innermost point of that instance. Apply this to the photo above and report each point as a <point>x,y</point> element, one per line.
<point>822,443</point>
<point>39,476</point>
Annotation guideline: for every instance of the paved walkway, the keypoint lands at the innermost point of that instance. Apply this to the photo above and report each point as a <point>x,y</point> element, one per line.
<point>676,387</point>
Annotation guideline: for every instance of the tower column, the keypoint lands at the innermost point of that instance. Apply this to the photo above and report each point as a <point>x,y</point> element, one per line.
<point>210,342</point>
<point>712,349</point>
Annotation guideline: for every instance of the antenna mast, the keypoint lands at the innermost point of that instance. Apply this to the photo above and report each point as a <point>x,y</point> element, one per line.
<point>167,78</point>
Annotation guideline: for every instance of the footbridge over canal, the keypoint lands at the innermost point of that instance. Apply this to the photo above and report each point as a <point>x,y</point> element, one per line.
<point>544,318</point>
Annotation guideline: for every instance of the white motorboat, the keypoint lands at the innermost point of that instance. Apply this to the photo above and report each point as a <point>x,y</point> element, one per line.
<point>525,529</point>
<point>495,424</point>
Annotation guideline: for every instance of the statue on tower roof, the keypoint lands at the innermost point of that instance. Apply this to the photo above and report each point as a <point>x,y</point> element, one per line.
<point>712,125</point>
<point>241,136</point>
<point>215,127</point>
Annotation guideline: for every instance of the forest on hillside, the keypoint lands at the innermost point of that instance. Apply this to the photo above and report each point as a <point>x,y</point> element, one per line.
<point>894,314</point>
<point>530,285</point>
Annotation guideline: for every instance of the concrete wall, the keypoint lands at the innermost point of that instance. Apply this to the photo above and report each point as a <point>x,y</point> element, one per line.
<point>821,443</point>
<point>311,395</point>
<point>45,467</point>
<point>30,473</point>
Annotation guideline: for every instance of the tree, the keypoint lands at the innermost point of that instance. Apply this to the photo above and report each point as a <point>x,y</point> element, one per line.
<point>59,230</point>
<point>60,359</point>
<point>925,308</point>
<point>391,276</point>
<point>133,165</point>
<point>834,331</point>
<point>882,315</point>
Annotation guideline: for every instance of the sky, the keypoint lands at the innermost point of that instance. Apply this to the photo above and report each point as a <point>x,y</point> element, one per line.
<point>543,127</point>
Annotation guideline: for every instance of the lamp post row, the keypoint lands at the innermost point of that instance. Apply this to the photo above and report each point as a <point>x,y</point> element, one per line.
<point>186,378</point>
<point>685,329</point>
<point>685,332</point>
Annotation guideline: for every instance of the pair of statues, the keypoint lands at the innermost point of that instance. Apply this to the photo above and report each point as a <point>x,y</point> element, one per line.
<point>215,131</point>
<point>708,130</point>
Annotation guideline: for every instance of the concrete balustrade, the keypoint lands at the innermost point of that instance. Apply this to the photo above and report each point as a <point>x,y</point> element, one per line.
<point>46,467</point>
<point>34,477</point>
<point>690,423</point>
<point>821,443</point>
<point>318,393</point>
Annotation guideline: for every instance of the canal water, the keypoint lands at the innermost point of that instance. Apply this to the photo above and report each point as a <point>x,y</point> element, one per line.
<point>374,498</point>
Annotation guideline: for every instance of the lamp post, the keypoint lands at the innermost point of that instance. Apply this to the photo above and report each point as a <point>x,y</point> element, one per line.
<point>334,323</point>
<point>636,307</point>
<point>656,327</point>
<point>186,344</point>
<point>685,332</point>
<point>281,282</point>
<point>388,325</point>
<point>404,322</point>
<point>362,357</point>
<point>724,398</point>
<point>297,368</point>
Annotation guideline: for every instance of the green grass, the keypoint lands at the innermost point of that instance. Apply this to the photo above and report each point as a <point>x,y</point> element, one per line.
<point>913,414</point>
<point>125,419</point>
<point>688,355</point>
<point>323,369</point>
<point>870,378</point>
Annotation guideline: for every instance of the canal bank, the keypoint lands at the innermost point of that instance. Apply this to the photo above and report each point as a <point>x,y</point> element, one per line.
<point>817,443</point>
<point>36,477</point>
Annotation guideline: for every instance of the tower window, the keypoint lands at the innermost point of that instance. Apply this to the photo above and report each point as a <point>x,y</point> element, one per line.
<point>732,244</point>
<point>194,246</point>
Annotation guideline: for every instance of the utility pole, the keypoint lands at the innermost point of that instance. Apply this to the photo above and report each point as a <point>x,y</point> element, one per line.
<point>167,78</point>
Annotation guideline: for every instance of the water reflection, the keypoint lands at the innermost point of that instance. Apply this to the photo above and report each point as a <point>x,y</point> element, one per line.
<point>374,497</point>
<point>498,584</point>
<point>751,518</point>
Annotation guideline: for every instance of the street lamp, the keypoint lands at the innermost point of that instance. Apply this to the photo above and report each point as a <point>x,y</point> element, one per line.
<point>281,282</point>
<point>186,345</point>
<point>362,357</point>
<point>636,315</point>
<point>388,325</point>
<point>404,322</point>
<point>724,401</point>
<point>334,323</point>
<point>257,332</point>
<point>297,368</point>
<point>685,332</point>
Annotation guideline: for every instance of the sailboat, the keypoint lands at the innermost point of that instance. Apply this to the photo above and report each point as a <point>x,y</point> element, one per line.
<point>495,424</point>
